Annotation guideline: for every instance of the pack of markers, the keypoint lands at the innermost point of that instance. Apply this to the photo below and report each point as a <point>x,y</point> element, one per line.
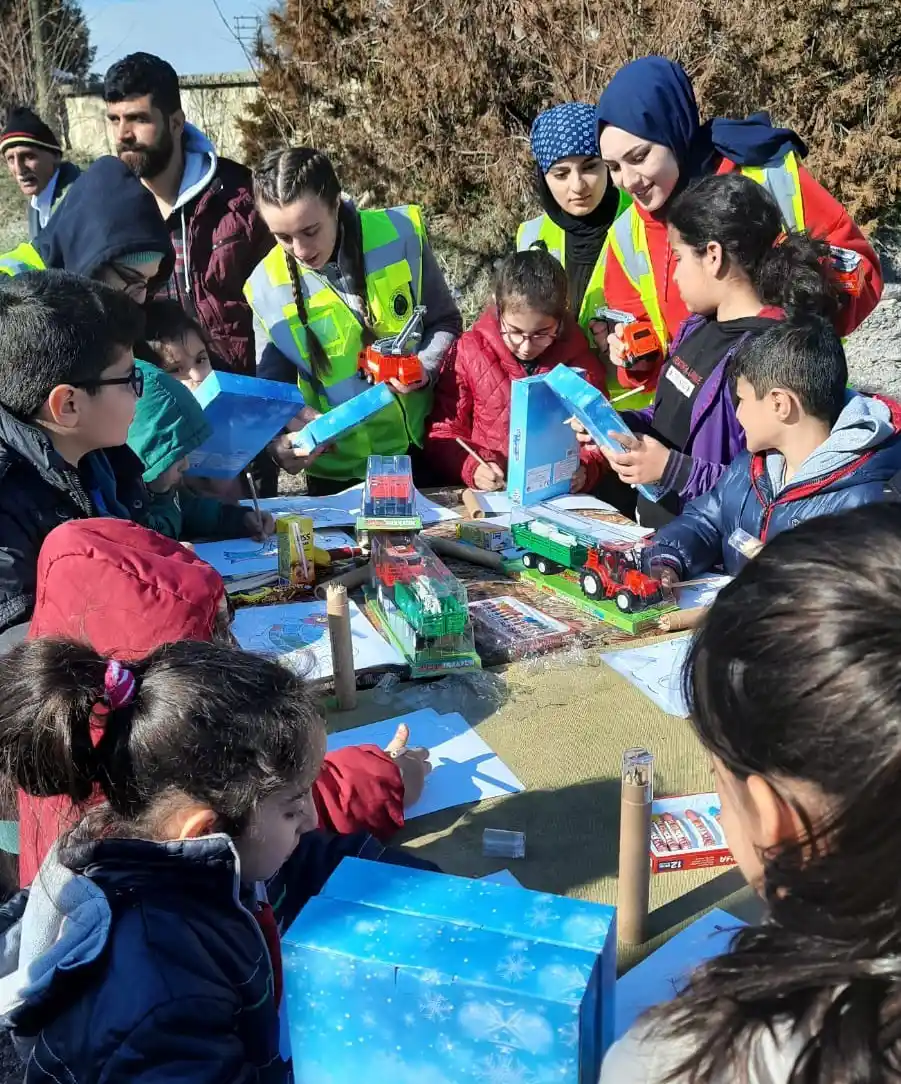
<point>686,833</point>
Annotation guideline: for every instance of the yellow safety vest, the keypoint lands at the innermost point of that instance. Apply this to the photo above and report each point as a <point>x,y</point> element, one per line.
<point>22,258</point>
<point>629,240</point>
<point>393,241</point>
<point>543,232</point>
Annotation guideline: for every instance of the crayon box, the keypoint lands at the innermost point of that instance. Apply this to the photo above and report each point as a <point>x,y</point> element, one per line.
<point>296,564</point>
<point>486,536</point>
<point>686,834</point>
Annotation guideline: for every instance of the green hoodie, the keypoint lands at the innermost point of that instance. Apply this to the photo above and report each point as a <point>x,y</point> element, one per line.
<point>168,425</point>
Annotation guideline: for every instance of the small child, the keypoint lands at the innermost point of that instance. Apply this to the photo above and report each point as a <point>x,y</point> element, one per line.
<point>813,448</point>
<point>177,342</point>
<point>150,924</point>
<point>68,389</point>
<point>168,425</point>
<point>793,681</point>
<point>737,272</point>
<point>526,330</point>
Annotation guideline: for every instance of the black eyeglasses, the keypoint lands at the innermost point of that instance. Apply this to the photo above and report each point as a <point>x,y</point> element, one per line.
<point>135,378</point>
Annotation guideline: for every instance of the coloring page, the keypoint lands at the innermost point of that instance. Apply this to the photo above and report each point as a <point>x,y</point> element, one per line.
<point>655,670</point>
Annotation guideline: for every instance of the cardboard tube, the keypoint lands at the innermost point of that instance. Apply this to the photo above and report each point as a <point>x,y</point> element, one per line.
<point>473,509</point>
<point>677,620</point>
<point>445,547</point>
<point>634,861</point>
<point>351,579</point>
<point>338,614</point>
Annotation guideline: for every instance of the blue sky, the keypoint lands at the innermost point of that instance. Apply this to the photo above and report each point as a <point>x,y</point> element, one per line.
<point>187,33</point>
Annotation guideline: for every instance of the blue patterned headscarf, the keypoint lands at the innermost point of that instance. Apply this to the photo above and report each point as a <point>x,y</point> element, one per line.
<point>565,130</point>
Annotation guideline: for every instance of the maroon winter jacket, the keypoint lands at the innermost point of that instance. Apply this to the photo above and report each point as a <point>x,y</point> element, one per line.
<point>125,591</point>
<point>226,239</point>
<point>472,398</point>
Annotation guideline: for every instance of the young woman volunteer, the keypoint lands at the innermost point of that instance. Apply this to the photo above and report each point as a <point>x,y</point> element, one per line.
<point>652,141</point>
<point>338,279</point>
<point>579,205</point>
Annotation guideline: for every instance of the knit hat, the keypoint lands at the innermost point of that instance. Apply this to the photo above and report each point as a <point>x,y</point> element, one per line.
<point>135,259</point>
<point>568,129</point>
<point>25,127</point>
<point>168,424</point>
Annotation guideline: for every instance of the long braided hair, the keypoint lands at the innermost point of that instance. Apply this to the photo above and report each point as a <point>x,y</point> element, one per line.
<point>287,175</point>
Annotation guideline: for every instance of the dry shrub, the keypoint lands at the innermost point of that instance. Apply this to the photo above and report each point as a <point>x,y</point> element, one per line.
<point>431,100</point>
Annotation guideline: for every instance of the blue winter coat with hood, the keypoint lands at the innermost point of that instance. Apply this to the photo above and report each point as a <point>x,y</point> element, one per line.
<point>852,467</point>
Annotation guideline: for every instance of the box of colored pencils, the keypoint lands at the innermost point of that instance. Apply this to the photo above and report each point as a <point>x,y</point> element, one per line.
<point>296,561</point>
<point>686,833</point>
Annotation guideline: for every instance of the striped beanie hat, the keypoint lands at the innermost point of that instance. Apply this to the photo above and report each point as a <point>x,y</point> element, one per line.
<point>25,128</point>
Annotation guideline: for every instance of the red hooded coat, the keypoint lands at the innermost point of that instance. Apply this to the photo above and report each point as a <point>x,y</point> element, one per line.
<point>125,590</point>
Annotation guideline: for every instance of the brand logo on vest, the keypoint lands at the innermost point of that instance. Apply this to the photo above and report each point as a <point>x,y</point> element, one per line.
<point>400,303</point>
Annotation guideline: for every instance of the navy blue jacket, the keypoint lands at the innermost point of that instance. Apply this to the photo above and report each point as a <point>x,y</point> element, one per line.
<point>744,498</point>
<point>161,972</point>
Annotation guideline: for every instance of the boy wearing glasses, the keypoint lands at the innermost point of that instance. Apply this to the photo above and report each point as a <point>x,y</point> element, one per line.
<point>526,330</point>
<point>68,388</point>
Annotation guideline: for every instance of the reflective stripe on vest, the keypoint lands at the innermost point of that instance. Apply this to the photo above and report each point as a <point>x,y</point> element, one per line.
<point>20,259</point>
<point>629,240</point>
<point>542,232</point>
<point>392,257</point>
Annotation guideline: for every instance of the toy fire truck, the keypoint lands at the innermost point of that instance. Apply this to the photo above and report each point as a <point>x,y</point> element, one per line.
<point>395,357</point>
<point>606,570</point>
<point>639,336</point>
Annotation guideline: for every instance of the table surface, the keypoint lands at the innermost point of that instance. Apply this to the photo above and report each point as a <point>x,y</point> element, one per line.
<point>561,723</point>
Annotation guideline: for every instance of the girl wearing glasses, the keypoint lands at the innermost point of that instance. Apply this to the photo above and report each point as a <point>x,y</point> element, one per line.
<point>526,330</point>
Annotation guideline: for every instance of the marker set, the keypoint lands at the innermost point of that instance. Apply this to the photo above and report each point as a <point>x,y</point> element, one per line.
<point>686,833</point>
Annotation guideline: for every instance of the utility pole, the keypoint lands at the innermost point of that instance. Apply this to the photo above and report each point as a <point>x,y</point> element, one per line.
<point>41,74</point>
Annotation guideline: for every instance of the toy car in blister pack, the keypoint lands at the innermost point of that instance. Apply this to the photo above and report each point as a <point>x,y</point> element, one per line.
<point>389,491</point>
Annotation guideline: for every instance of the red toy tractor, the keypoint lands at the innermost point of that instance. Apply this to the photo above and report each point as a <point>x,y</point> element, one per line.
<point>394,358</point>
<point>612,571</point>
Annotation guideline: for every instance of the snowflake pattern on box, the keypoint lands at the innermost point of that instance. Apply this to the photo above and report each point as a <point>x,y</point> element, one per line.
<point>443,981</point>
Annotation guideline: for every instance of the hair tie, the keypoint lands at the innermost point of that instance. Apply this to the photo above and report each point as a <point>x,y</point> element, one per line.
<point>119,685</point>
<point>780,240</point>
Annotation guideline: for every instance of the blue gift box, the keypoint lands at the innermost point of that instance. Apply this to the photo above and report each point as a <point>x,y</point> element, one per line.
<point>245,413</point>
<point>402,975</point>
<point>594,411</point>
<point>544,453</point>
<point>341,419</point>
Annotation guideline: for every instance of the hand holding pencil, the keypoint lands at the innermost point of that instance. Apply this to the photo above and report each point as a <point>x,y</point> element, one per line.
<point>488,477</point>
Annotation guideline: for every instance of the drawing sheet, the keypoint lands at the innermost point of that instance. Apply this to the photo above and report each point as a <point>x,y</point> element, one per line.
<point>499,504</point>
<point>656,670</point>
<point>342,509</point>
<point>702,593</point>
<point>296,633</point>
<point>240,556</point>
<point>464,767</point>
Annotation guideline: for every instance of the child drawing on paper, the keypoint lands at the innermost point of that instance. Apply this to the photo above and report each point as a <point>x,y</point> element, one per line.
<point>793,681</point>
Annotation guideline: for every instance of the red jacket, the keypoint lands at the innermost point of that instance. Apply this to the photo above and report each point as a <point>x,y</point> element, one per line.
<point>824,218</point>
<point>227,238</point>
<point>472,397</point>
<point>125,590</point>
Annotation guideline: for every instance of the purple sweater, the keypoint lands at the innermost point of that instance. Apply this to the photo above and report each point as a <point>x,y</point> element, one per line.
<point>716,436</point>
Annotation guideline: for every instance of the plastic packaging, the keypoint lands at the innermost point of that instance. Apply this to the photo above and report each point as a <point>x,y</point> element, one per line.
<point>499,843</point>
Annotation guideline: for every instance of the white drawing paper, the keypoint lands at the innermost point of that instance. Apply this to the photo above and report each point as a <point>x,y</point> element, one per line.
<point>342,509</point>
<point>499,505</point>
<point>656,670</point>
<point>702,593</point>
<point>240,556</point>
<point>464,767</point>
<point>296,633</point>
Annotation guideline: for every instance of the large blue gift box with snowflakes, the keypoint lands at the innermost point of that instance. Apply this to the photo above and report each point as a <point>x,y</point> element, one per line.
<point>245,413</point>
<point>407,976</point>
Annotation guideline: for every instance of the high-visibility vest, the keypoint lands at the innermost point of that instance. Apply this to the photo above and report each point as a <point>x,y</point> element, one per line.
<point>629,240</point>
<point>22,258</point>
<point>393,241</point>
<point>543,232</point>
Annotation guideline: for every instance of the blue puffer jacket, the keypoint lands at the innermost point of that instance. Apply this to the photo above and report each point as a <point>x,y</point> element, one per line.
<point>146,965</point>
<point>851,468</point>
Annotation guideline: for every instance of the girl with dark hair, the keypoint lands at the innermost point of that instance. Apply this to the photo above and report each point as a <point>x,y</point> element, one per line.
<point>737,272</point>
<point>793,681</point>
<point>652,140</point>
<point>149,922</point>
<point>527,329</point>
<point>339,279</point>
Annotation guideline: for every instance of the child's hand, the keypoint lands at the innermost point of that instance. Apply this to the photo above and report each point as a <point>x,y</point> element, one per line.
<point>642,462</point>
<point>262,528</point>
<point>579,479</point>
<point>489,478</point>
<point>582,434</point>
<point>288,457</point>
<point>412,763</point>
